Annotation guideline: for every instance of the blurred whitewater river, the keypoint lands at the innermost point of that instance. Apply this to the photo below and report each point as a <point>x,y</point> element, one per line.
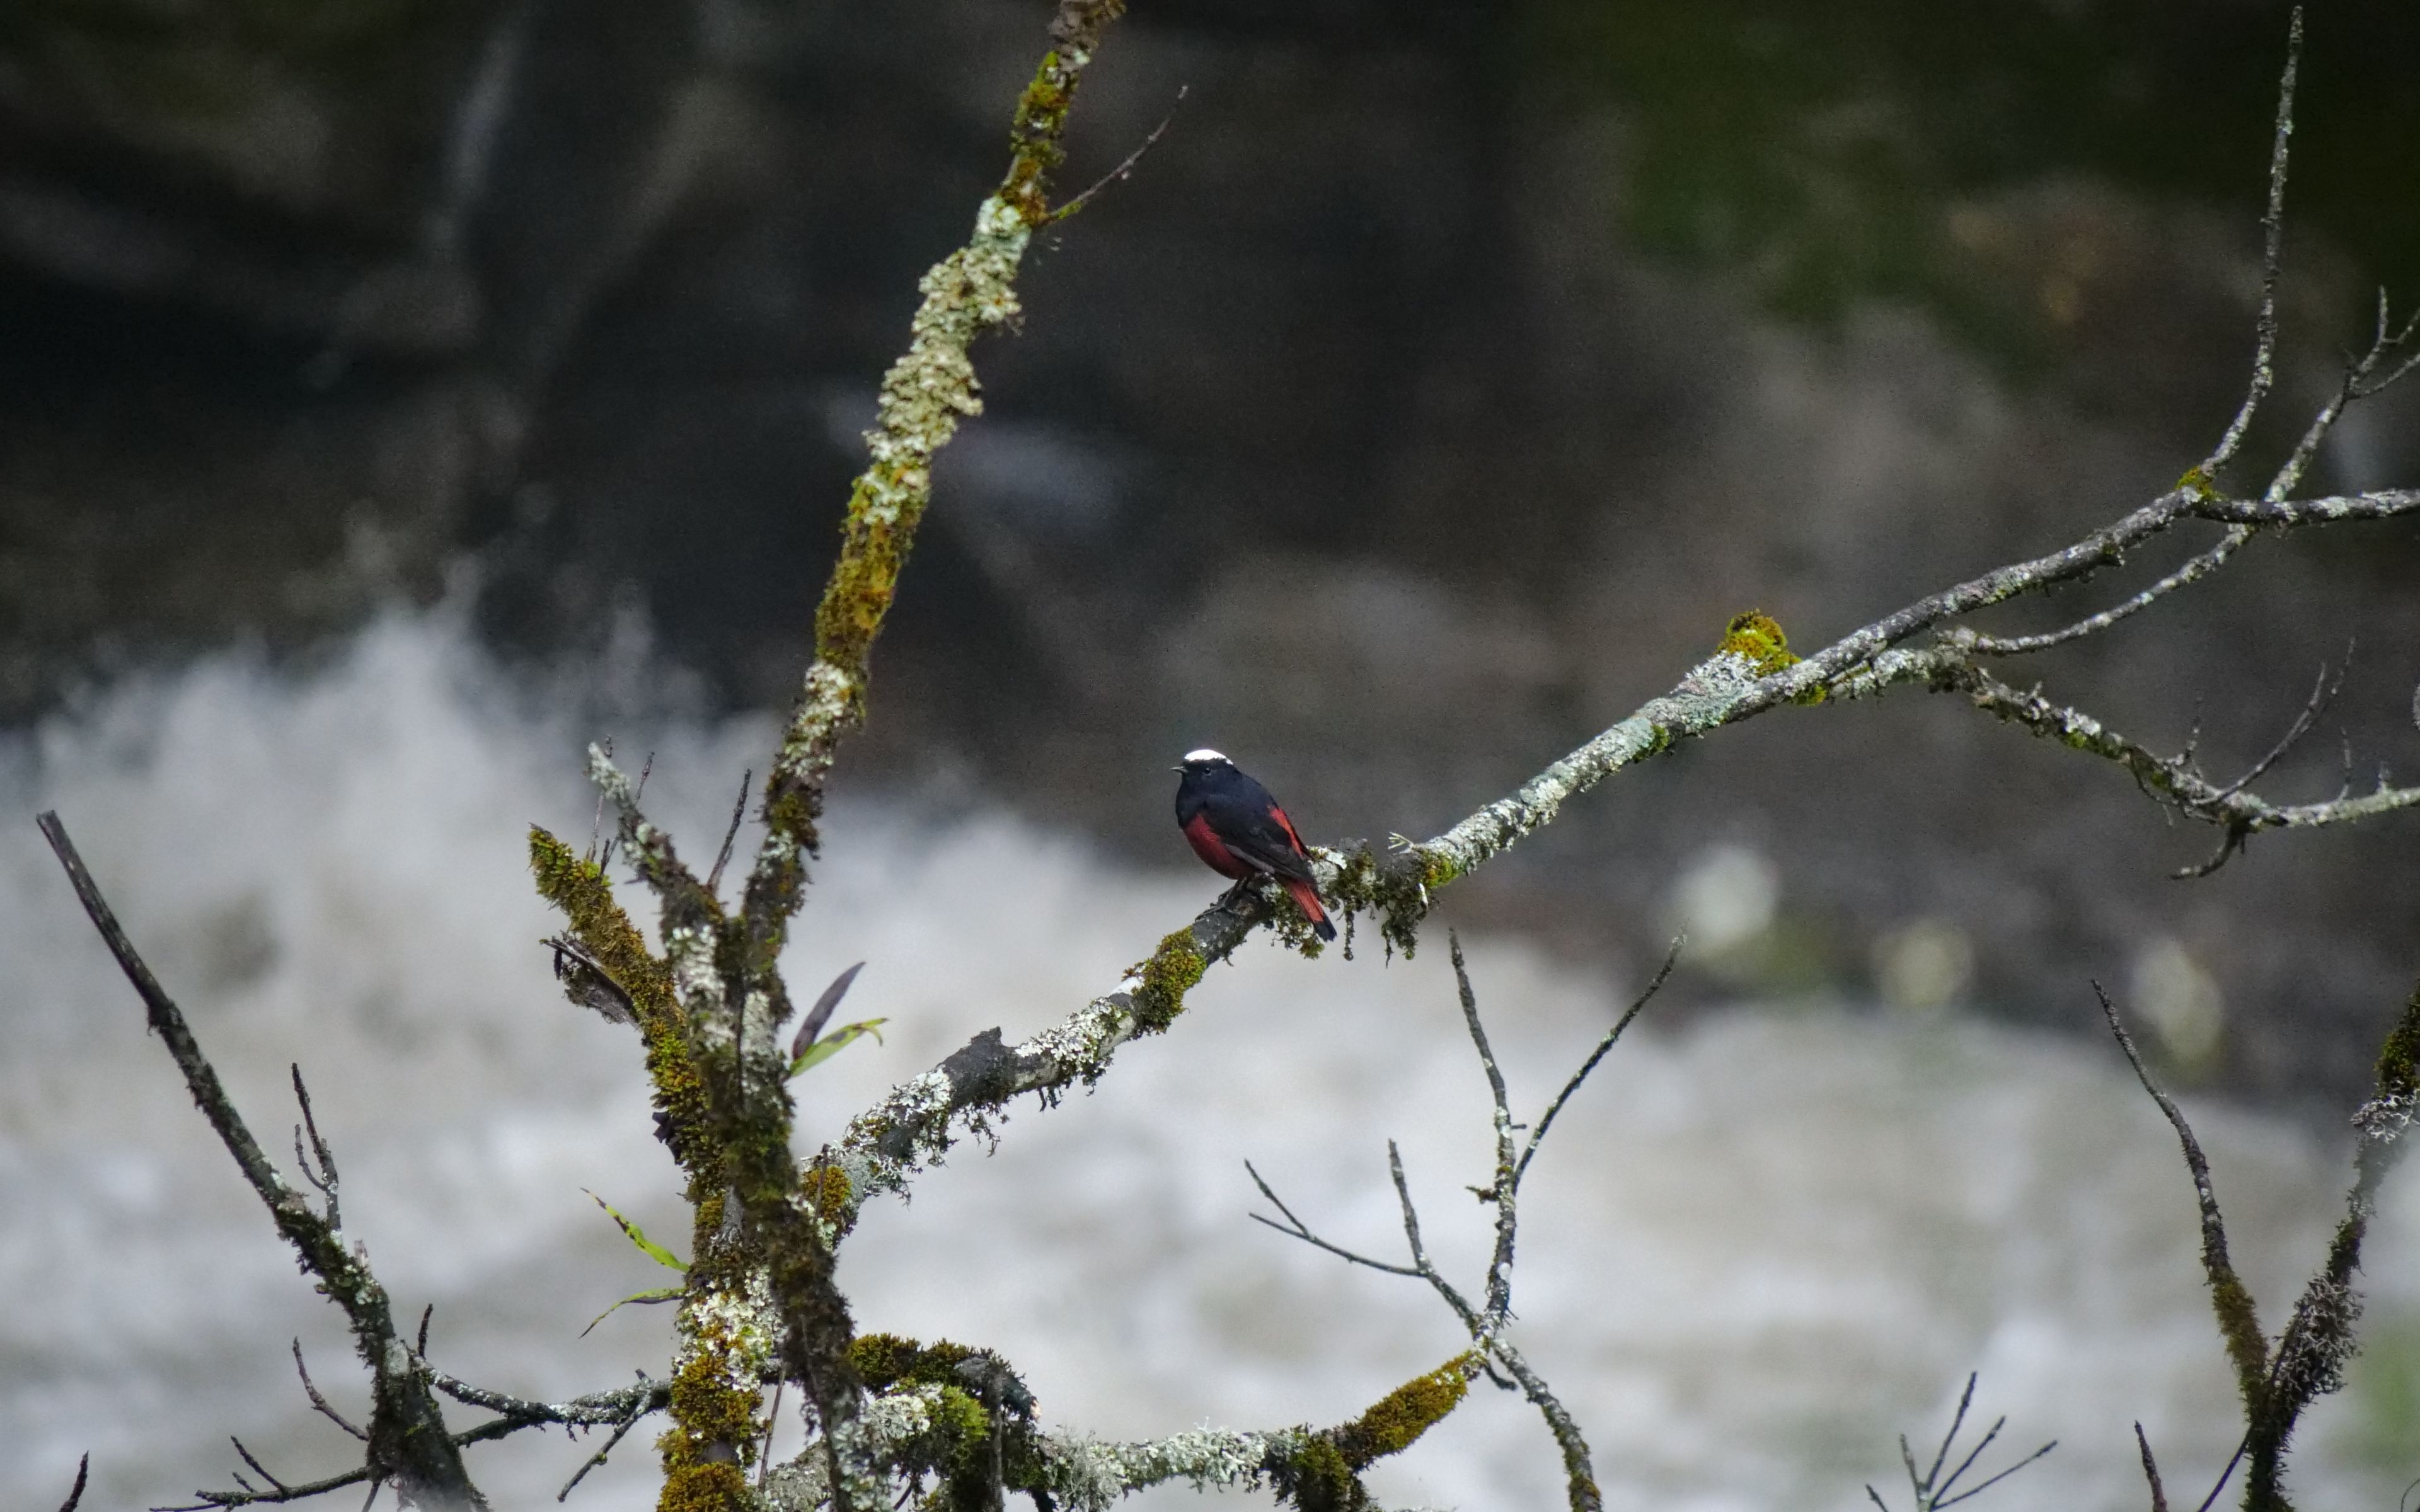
<point>1757,1249</point>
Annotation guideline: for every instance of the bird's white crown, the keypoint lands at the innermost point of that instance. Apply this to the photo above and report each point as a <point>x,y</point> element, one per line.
<point>1204,754</point>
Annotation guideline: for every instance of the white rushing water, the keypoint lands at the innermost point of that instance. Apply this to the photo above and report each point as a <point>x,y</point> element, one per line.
<point>1757,1250</point>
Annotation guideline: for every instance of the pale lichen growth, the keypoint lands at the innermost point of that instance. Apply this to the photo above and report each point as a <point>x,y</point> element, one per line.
<point>1091,1475</point>
<point>697,983</point>
<point>2383,1120</point>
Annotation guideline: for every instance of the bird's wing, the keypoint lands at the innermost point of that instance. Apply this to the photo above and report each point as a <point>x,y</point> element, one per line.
<point>1264,835</point>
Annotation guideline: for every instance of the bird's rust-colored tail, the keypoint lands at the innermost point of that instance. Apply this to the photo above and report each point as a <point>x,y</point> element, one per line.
<point>1306,897</point>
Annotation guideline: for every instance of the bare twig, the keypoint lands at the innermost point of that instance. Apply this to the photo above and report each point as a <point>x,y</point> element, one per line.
<point>2323,692</point>
<point>643,1397</point>
<point>2355,387</point>
<point>731,835</point>
<point>2151,1472</point>
<point>1124,169</point>
<point>1505,1193</point>
<point>325,1177</point>
<point>319,1402</point>
<point>1294,1227</point>
<point>1612,1036</point>
<point>1928,1489</point>
<point>203,1500</point>
<point>599,1458</point>
<point>1957,1421</point>
<point>1486,1322</point>
<point>1579,1469</point>
<point>2226,1472</point>
<point>263,1469</point>
<point>83,1470</point>
<point>1986,1486</point>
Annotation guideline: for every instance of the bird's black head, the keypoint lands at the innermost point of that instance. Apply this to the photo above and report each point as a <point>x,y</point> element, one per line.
<point>1204,763</point>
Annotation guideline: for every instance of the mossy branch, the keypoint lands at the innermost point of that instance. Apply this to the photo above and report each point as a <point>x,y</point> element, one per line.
<point>761,1275</point>
<point>2278,1384</point>
<point>923,398</point>
<point>2239,1319</point>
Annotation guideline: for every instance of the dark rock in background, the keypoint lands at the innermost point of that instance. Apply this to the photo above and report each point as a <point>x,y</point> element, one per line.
<point>1433,393</point>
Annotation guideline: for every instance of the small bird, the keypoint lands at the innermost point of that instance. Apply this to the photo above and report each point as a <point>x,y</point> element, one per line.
<point>1240,832</point>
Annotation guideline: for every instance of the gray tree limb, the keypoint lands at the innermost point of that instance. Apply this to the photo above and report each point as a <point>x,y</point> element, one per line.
<point>407,1441</point>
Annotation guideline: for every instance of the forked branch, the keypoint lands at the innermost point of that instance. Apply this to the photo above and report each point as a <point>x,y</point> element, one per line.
<point>2278,1382</point>
<point>1487,1320</point>
<point>407,1442</point>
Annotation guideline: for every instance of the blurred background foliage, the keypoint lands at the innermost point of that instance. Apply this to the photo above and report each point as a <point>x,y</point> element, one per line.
<point>1836,154</point>
<point>1434,393</point>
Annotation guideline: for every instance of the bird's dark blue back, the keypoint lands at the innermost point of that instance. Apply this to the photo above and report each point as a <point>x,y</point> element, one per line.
<point>1245,816</point>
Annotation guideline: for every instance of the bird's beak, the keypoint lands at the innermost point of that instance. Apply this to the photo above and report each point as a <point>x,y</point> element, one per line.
<point>1177,768</point>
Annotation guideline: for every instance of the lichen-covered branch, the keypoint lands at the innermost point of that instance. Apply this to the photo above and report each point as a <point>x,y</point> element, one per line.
<point>962,1420</point>
<point>595,1408</point>
<point>2385,503</point>
<point>925,396</point>
<point>407,1442</point>
<point>2272,249</point>
<point>2192,572</point>
<point>2174,779</point>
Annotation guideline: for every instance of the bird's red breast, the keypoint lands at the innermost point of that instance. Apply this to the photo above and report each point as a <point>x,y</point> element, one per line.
<point>1212,851</point>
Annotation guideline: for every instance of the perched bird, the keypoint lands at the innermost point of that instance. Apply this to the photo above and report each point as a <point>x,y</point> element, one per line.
<point>1239,830</point>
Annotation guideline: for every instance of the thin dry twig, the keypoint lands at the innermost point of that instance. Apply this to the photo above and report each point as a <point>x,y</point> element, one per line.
<point>731,835</point>
<point>318,1403</point>
<point>1124,169</point>
<point>1932,1490</point>
<point>1294,1227</point>
<point>75,1492</point>
<point>1612,1036</point>
<point>601,1456</point>
<point>1505,1193</point>
<point>324,1177</point>
<point>2151,1472</point>
<point>206,1500</point>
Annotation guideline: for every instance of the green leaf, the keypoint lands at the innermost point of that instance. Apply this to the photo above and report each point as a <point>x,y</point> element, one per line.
<point>639,1236</point>
<point>835,1042</point>
<point>666,1294</point>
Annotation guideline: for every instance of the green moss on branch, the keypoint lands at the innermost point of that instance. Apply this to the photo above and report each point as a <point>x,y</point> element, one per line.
<point>1322,1471</point>
<point>1171,972</point>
